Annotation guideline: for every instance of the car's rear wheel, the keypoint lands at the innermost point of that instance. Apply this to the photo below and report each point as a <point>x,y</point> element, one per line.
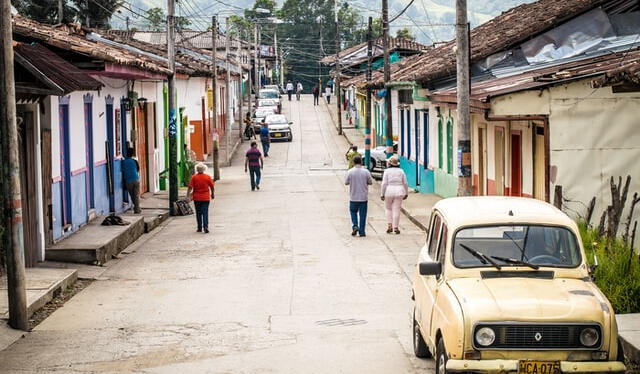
<point>419,346</point>
<point>441,358</point>
<point>372,164</point>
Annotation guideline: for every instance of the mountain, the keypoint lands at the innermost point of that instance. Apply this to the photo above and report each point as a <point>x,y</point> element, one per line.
<point>429,20</point>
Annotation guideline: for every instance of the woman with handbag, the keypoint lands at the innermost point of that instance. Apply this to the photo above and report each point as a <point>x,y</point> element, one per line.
<point>394,190</point>
<point>201,191</point>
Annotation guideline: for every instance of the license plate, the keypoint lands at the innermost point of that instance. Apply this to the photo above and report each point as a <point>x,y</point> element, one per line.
<point>277,135</point>
<point>539,367</point>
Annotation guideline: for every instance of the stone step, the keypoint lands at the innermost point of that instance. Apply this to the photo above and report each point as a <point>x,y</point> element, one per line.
<point>153,218</point>
<point>97,244</point>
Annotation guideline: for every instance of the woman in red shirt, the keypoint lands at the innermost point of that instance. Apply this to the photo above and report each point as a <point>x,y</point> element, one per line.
<point>198,191</point>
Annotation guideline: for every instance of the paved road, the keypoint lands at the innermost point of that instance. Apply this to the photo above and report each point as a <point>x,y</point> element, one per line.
<point>279,286</point>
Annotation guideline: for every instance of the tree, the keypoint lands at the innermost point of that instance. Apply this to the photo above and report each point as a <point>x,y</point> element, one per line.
<point>98,15</point>
<point>44,11</point>
<point>156,19</point>
<point>360,35</point>
<point>405,33</point>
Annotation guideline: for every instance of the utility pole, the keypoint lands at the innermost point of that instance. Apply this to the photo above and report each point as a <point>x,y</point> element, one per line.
<point>173,110</point>
<point>387,78</point>
<point>127,22</point>
<point>240,85</point>
<point>256,65</point>
<point>338,93</point>
<point>10,193</point>
<point>87,15</point>
<point>320,55</point>
<point>281,69</point>
<point>275,43</point>
<point>367,128</point>
<point>464,88</point>
<point>214,98</point>
<point>227,132</point>
<point>60,10</point>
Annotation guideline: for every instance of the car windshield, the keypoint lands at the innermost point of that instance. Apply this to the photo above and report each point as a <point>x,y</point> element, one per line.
<point>263,112</point>
<point>269,94</point>
<point>276,119</point>
<point>267,103</point>
<point>521,245</point>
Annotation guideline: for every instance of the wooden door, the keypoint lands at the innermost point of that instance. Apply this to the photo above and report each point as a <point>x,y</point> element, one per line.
<point>499,160</point>
<point>141,147</point>
<point>539,163</point>
<point>28,191</point>
<point>482,160</point>
<point>516,163</point>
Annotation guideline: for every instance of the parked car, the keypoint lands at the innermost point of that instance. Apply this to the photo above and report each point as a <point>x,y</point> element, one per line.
<point>270,94</point>
<point>279,127</point>
<point>259,115</point>
<point>268,103</point>
<point>273,87</point>
<point>503,285</point>
<point>378,159</point>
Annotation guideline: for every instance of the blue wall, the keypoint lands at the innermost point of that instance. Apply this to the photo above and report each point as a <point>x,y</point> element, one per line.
<point>56,201</point>
<point>426,176</point>
<point>100,189</point>
<point>118,185</point>
<point>78,200</point>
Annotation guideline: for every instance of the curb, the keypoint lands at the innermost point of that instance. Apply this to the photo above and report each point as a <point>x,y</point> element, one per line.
<point>631,352</point>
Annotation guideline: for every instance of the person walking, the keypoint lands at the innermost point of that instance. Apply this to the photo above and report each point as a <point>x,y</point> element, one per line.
<point>201,191</point>
<point>316,95</point>
<point>289,89</point>
<point>131,173</point>
<point>351,153</point>
<point>265,138</point>
<point>394,190</point>
<point>327,94</point>
<point>358,179</point>
<point>253,163</point>
<point>298,91</point>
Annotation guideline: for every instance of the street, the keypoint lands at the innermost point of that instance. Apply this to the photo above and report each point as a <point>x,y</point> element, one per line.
<point>278,286</point>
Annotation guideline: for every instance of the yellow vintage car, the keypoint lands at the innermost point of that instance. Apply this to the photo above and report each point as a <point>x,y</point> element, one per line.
<point>502,285</point>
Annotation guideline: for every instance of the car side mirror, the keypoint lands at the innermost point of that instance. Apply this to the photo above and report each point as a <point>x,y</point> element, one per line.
<point>430,268</point>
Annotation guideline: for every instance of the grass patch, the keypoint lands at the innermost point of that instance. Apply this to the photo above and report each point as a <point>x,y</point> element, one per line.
<point>618,271</point>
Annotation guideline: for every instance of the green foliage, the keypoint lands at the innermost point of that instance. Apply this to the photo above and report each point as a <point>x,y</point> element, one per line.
<point>44,11</point>
<point>405,33</point>
<point>97,15</point>
<point>156,20</point>
<point>360,35</point>
<point>618,271</point>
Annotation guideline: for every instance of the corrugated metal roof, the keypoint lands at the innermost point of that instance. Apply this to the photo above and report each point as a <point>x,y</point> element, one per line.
<point>64,74</point>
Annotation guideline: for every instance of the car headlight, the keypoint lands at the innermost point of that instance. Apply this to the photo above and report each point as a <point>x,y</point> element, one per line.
<point>485,336</point>
<point>589,337</point>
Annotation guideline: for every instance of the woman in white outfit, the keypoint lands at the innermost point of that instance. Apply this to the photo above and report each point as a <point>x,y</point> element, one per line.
<point>394,190</point>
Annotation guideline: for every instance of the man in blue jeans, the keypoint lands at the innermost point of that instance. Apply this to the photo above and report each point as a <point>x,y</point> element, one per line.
<point>253,163</point>
<point>358,179</point>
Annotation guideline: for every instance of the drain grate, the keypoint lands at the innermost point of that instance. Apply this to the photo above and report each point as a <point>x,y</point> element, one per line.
<point>341,322</point>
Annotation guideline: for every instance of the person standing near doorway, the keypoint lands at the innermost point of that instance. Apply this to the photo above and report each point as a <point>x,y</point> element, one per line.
<point>327,94</point>
<point>358,179</point>
<point>298,90</point>
<point>316,95</point>
<point>265,138</point>
<point>394,190</point>
<point>201,191</point>
<point>289,89</point>
<point>253,163</point>
<point>131,173</point>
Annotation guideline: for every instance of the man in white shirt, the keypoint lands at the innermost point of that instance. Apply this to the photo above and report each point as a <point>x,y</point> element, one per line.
<point>298,91</point>
<point>358,179</point>
<point>289,89</point>
<point>327,94</point>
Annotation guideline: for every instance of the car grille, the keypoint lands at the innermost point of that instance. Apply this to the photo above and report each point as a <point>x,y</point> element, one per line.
<point>537,336</point>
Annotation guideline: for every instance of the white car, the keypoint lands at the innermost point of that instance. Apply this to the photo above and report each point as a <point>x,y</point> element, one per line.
<point>259,115</point>
<point>378,156</point>
<point>279,127</point>
<point>268,104</point>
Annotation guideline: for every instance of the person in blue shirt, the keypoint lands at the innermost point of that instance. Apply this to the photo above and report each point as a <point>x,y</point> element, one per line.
<point>131,173</point>
<point>265,138</point>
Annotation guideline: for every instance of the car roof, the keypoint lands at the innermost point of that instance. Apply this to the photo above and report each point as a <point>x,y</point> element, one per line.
<point>278,116</point>
<point>483,210</point>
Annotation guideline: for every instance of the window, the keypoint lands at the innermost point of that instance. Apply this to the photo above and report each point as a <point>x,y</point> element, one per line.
<point>442,248</point>
<point>440,143</point>
<point>550,246</point>
<point>408,134</point>
<point>433,236</point>
<point>403,136</point>
<point>405,97</point>
<point>450,144</point>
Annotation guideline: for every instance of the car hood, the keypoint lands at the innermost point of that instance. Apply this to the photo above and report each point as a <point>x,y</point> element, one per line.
<point>529,299</point>
<point>283,126</point>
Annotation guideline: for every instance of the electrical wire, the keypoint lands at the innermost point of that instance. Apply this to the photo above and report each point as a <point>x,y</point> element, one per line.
<point>403,10</point>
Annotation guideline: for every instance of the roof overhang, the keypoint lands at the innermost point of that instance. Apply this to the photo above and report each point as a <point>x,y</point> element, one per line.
<point>127,73</point>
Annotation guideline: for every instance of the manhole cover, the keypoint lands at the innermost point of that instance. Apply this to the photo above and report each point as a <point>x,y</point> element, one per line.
<point>341,322</point>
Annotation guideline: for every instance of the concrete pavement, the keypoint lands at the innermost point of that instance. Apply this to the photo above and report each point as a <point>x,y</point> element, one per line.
<point>279,286</point>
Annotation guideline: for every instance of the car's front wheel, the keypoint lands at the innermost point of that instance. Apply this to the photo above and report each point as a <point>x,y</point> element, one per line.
<point>372,164</point>
<point>441,358</point>
<point>290,138</point>
<point>420,348</point>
